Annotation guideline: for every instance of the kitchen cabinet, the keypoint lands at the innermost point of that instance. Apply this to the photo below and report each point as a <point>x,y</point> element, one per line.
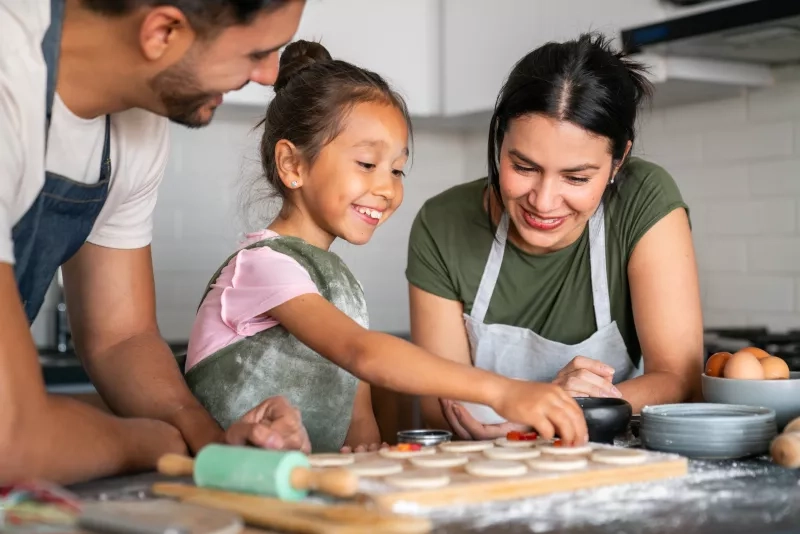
<point>399,40</point>
<point>449,58</point>
<point>483,40</point>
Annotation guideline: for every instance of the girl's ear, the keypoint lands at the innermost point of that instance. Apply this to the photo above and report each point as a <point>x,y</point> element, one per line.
<point>289,163</point>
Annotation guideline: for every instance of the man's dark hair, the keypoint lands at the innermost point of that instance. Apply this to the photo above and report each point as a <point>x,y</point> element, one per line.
<point>205,16</point>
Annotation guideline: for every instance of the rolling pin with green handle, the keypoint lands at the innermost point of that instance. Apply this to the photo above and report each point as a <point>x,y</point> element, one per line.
<point>283,474</point>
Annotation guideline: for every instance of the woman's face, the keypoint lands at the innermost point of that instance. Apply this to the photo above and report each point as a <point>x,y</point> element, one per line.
<point>552,178</point>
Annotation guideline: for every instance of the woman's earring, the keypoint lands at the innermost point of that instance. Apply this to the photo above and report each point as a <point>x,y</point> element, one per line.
<point>294,183</point>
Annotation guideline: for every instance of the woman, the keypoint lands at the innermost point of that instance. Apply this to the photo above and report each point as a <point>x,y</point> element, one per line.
<point>575,264</point>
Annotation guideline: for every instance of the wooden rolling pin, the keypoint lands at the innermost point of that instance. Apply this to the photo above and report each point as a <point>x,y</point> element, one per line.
<point>286,475</point>
<point>785,449</point>
<point>297,516</point>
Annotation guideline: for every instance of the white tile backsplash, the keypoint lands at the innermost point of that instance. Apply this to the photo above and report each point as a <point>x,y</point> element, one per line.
<point>737,162</point>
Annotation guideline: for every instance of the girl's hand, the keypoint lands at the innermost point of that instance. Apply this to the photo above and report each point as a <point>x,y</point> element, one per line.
<point>546,407</point>
<point>467,427</point>
<point>584,377</point>
<point>372,447</point>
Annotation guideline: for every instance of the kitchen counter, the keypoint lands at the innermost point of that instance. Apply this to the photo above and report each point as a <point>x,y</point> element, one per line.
<point>751,496</point>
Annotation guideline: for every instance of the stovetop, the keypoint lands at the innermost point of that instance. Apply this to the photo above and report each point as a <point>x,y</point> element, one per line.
<point>785,345</point>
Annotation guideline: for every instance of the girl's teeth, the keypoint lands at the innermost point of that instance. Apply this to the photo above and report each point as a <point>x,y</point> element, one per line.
<point>375,214</point>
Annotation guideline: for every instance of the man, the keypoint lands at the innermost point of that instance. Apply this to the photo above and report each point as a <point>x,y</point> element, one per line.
<point>84,89</point>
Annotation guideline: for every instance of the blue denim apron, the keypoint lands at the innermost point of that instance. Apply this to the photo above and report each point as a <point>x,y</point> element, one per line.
<point>61,218</point>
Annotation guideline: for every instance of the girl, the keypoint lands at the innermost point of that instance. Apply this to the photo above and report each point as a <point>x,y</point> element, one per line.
<point>573,263</point>
<point>285,316</point>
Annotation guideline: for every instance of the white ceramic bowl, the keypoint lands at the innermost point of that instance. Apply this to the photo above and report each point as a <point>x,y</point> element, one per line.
<point>483,414</point>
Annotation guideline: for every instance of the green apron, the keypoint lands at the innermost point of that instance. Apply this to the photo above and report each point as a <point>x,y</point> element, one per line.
<point>272,362</point>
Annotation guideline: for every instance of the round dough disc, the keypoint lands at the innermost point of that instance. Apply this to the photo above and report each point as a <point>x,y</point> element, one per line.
<point>388,452</point>
<point>619,456</point>
<point>330,459</point>
<point>501,453</point>
<point>512,444</point>
<point>466,446</point>
<point>445,459</point>
<point>376,468</point>
<point>419,479</point>
<point>565,451</point>
<point>496,468</point>
<point>559,463</point>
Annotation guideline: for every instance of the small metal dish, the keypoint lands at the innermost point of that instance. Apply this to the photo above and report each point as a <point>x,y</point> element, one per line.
<point>424,437</point>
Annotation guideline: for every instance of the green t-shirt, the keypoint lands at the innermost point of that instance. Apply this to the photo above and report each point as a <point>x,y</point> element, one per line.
<point>550,294</point>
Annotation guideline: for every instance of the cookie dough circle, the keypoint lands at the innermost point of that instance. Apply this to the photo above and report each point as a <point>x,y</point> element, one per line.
<point>559,463</point>
<point>514,444</point>
<point>388,452</point>
<point>619,456</point>
<point>419,480</point>
<point>445,459</point>
<point>466,446</point>
<point>496,468</point>
<point>548,448</point>
<point>376,468</point>
<point>330,459</point>
<point>501,453</point>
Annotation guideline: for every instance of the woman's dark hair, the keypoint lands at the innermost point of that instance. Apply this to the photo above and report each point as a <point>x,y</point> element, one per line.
<point>313,97</point>
<point>581,81</point>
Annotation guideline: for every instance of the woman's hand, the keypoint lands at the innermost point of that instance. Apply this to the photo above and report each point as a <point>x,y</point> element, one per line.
<point>467,427</point>
<point>273,424</point>
<point>364,447</point>
<point>584,377</point>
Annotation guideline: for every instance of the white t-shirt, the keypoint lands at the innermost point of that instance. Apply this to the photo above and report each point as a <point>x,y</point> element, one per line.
<point>139,141</point>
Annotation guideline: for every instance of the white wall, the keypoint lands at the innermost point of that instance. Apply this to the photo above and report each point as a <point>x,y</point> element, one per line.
<point>737,163</point>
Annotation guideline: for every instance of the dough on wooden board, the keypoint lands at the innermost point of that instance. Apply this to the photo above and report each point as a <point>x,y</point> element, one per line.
<point>619,456</point>
<point>466,446</point>
<point>495,468</point>
<point>501,453</point>
<point>547,448</point>
<point>445,459</point>
<point>330,459</point>
<point>514,444</point>
<point>376,468</point>
<point>419,479</point>
<point>558,463</point>
<point>401,455</point>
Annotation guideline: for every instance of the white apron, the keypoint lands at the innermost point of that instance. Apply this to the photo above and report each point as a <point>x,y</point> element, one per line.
<point>521,353</point>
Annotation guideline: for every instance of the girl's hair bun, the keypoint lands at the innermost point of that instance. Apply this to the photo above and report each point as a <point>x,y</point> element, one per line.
<point>298,56</point>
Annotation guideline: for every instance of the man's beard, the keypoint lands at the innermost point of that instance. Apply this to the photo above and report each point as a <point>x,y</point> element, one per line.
<point>181,95</point>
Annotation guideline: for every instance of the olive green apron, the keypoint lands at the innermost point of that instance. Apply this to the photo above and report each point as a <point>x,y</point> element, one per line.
<point>272,362</point>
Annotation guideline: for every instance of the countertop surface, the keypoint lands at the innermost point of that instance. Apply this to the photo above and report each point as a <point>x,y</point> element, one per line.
<point>749,496</point>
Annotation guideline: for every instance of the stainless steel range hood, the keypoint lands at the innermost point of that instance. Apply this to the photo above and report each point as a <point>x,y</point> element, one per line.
<point>718,49</point>
<point>760,31</point>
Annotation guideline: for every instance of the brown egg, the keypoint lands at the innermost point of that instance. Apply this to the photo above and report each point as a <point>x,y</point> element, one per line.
<point>758,353</point>
<point>774,368</point>
<point>744,366</point>
<point>716,363</point>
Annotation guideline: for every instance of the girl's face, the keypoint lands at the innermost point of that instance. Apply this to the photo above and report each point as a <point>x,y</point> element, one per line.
<point>356,182</point>
<point>552,178</point>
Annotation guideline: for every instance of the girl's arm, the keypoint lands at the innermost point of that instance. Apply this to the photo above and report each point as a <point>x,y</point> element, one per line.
<point>666,307</point>
<point>363,427</point>
<point>389,362</point>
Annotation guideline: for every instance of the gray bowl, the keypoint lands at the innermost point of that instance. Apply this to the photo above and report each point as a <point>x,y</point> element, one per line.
<point>709,431</point>
<point>783,396</point>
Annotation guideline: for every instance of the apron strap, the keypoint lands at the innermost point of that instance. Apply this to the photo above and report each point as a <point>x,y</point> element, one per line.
<point>51,48</point>
<point>491,271</point>
<point>597,260</point>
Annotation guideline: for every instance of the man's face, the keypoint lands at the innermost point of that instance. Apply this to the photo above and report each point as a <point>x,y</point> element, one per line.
<point>191,89</point>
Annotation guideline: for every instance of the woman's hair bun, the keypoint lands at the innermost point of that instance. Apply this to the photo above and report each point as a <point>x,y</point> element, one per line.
<point>298,56</point>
